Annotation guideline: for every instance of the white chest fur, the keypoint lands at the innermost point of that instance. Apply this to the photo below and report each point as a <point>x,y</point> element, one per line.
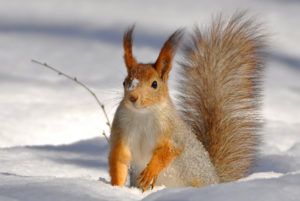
<point>141,130</point>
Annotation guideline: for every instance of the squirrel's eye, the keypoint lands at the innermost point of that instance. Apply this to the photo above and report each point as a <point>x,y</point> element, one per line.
<point>154,85</point>
<point>124,84</point>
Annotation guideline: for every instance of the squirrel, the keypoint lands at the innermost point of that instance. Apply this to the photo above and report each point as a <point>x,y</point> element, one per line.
<point>214,135</point>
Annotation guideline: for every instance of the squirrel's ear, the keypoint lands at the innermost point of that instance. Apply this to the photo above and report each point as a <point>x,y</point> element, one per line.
<point>130,61</point>
<point>163,63</point>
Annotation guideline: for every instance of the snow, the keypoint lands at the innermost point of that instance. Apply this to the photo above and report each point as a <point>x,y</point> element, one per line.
<point>66,189</point>
<point>283,188</point>
<point>76,171</point>
<point>51,147</point>
<point>133,84</point>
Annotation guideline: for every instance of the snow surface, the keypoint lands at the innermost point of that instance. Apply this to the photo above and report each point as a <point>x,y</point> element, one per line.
<point>50,127</point>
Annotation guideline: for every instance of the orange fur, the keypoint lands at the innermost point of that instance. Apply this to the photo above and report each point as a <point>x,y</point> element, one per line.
<point>147,96</point>
<point>162,156</point>
<point>147,73</point>
<point>127,44</point>
<point>163,64</point>
<point>196,183</point>
<point>118,163</point>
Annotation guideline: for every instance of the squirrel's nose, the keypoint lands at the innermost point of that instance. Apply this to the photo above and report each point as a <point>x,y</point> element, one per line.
<point>133,98</point>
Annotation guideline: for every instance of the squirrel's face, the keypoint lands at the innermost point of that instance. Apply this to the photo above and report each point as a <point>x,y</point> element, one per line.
<point>146,84</point>
<point>143,87</point>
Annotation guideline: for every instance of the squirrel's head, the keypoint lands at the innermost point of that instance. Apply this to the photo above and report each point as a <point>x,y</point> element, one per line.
<point>147,84</point>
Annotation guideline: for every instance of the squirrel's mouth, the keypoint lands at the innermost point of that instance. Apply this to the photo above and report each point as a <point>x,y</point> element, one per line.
<point>137,108</point>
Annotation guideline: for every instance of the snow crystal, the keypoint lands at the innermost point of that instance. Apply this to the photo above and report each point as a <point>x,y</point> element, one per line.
<point>133,84</point>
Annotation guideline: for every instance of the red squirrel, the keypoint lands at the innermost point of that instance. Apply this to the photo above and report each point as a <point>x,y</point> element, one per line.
<point>213,137</point>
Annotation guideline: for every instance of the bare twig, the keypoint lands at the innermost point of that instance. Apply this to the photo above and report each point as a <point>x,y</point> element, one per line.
<point>104,134</point>
<point>81,84</point>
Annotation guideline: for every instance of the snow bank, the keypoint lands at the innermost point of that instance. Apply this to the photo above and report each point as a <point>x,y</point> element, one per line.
<point>74,172</point>
<point>13,187</point>
<point>20,188</point>
<point>285,188</point>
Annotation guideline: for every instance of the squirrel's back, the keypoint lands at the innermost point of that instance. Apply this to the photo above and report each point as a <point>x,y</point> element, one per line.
<point>220,92</point>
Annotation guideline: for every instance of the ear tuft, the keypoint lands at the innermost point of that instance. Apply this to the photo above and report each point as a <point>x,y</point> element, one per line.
<point>163,63</point>
<point>127,45</point>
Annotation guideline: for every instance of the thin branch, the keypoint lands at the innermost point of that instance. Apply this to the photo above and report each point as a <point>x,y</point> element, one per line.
<point>104,134</point>
<point>81,84</point>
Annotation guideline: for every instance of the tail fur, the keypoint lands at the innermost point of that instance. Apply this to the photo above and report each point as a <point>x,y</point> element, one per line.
<point>220,92</point>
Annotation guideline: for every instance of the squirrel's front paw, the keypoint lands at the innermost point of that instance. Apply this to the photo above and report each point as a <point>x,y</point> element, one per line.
<point>147,179</point>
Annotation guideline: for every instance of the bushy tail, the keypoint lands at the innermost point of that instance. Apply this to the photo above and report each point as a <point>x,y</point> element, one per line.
<point>220,92</point>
